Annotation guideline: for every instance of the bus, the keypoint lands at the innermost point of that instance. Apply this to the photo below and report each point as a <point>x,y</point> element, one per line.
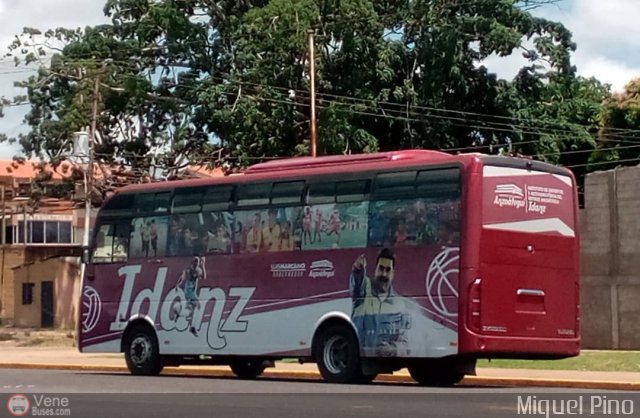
<point>364,264</point>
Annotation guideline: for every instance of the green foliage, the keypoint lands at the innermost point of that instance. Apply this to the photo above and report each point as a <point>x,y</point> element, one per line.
<point>620,127</point>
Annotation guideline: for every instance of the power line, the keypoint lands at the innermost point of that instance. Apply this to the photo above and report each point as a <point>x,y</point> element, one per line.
<point>402,112</point>
<point>399,114</point>
<point>628,160</point>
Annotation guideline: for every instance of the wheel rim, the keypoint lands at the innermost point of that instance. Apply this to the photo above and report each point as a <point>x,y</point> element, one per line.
<point>140,350</point>
<point>336,354</point>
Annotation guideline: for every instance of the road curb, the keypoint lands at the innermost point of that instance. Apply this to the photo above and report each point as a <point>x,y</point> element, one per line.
<point>313,375</point>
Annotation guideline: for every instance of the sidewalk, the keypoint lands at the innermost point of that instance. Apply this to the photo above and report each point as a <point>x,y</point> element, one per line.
<point>71,359</point>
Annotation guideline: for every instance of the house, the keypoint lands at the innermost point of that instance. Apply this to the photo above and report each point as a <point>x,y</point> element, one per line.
<point>39,248</point>
<point>39,264</point>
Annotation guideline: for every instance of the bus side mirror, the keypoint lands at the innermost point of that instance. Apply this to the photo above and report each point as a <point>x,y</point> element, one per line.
<point>85,256</point>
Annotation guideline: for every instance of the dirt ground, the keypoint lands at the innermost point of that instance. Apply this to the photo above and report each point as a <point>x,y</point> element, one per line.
<point>29,337</point>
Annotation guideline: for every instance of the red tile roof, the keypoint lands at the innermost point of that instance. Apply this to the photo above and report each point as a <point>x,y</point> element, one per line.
<point>29,170</point>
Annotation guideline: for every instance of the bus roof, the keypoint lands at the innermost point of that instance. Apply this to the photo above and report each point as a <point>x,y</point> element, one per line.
<point>342,160</point>
<point>301,166</point>
<point>306,165</point>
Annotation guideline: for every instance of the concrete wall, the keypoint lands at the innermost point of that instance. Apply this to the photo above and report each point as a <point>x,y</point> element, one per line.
<point>610,259</point>
<point>15,256</point>
<point>64,274</point>
<point>10,257</point>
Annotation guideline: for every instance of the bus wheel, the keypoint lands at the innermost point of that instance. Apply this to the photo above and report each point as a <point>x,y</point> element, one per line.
<point>141,351</point>
<point>248,369</point>
<point>436,373</point>
<point>337,354</point>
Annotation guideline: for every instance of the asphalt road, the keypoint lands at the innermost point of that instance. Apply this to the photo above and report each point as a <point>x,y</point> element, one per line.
<point>122,395</point>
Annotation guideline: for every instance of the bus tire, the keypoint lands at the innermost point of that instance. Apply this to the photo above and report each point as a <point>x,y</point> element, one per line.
<point>435,373</point>
<point>141,351</point>
<point>337,354</point>
<point>248,369</point>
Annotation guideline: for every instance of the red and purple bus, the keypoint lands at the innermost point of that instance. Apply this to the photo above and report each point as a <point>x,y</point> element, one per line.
<point>364,264</point>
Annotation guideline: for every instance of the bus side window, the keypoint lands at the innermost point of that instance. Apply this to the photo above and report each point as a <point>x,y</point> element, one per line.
<point>254,194</point>
<point>103,249</point>
<point>154,202</point>
<point>119,205</point>
<point>288,192</point>
<point>441,183</point>
<point>395,185</point>
<point>352,191</point>
<point>162,202</point>
<point>187,201</point>
<point>321,193</point>
<point>217,199</point>
<point>112,243</point>
<point>145,202</point>
<point>121,241</point>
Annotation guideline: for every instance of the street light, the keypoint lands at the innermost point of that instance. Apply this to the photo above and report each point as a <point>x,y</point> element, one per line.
<point>82,149</point>
<point>88,173</point>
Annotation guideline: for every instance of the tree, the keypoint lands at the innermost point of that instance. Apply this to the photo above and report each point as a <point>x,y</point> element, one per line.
<point>181,79</point>
<point>618,141</point>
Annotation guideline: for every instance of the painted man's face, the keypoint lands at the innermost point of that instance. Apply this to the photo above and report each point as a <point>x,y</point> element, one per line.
<point>384,275</point>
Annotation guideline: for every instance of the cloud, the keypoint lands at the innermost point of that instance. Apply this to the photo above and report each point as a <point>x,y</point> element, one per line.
<point>612,72</point>
<point>41,14</point>
<point>608,37</point>
<point>607,28</point>
<point>47,14</point>
<point>606,34</point>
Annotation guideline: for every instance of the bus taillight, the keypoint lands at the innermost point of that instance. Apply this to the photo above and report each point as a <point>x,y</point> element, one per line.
<point>474,305</point>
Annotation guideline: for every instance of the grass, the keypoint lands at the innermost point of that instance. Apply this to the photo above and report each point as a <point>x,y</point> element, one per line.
<point>588,360</point>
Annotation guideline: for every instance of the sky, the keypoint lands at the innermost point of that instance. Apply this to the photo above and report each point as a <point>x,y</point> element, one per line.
<point>605,31</point>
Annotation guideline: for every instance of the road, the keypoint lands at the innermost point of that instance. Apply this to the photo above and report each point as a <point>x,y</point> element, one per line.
<point>122,395</point>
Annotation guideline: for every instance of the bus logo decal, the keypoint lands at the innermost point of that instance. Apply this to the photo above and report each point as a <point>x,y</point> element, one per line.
<point>183,309</point>
<point>92,308</point>
<point>442,275</point>
<point>288,269</point>
<point>322,268</point>
<point>509,190</point>
<point>509,195</point>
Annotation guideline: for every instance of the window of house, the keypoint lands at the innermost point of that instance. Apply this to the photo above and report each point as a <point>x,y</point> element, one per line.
<point>27,293</point>
<point>40,232</point>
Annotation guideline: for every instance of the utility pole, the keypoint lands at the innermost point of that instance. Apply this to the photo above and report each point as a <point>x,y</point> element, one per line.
<point>89,171</point>
<point>312,75</point>
<point>4,249</point>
